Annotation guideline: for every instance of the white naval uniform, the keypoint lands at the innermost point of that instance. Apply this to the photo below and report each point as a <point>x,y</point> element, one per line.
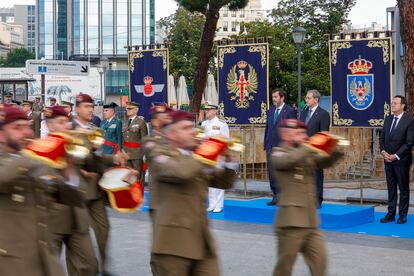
<point>215,127</point>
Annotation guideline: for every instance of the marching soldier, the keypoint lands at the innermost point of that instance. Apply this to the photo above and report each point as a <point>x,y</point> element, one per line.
<point>160,116</point>
<point>33,116</point>
<point>134,130</point>
<point>213,126</point>
<point>297,223</point>
<point>93,169</point>
<point>70,225</point>
<point>182,244</point>
<point>26,189</point>
<point>112,128</point>
<point>53,101</point>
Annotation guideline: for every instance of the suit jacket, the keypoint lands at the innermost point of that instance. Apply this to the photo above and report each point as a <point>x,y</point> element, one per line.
<point>400,141</point>
<point>134,132</point>
<point>271,137</point>
<point>26,190</point>
<point>319,121</point>
<point>112,133</point>
<point>294,169</point>
<point>181,223</point>
<point>35,119</point>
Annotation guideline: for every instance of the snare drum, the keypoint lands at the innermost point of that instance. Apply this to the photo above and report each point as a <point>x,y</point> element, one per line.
<point>125,192</point>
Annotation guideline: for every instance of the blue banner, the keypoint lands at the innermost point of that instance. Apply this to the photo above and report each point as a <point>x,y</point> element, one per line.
<point>243,83</point>
<point>360,81</point>
<point>148,78</point>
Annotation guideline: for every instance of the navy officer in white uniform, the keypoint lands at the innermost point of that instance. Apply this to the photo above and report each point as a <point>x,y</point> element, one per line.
<point>215,127</point>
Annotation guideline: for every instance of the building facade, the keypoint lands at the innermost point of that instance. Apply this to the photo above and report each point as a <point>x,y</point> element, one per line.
<point>229,23</point>
<point>80,29</point>
<point>25,16</point>
<point>11,37</point>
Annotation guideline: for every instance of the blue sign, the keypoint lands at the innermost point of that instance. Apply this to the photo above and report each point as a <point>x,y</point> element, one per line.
<point>42,69</point>
<point>243,83</point>
<point>148,78</point>
<point>360,81</point>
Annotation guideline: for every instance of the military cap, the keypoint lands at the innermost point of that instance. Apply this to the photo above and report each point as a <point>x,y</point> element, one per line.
<point>14,102</point>
<point>110,105</point>
<point>180,115</point>
<point>66,104</point>
<point>56,111</point>
<point>132,105</point>
<point>292,123</point>
<point>26,102</point>
<point>10,114</point>
<point>208,106</point>
<point>8,94</point>
<point>157,108</point>
<point>84,98</point>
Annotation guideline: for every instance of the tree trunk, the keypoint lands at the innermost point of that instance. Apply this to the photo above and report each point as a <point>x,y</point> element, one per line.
<point>407,32</point>
<point>207,40</point>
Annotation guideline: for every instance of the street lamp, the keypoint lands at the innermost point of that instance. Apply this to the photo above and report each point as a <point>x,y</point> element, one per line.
<point>298,34</point>
<point>102,66</point>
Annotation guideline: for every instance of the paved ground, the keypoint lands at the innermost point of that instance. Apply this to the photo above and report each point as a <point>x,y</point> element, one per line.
<point>249,250</point>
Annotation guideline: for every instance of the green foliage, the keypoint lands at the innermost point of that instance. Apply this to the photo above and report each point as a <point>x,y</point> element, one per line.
<point>184,31</point>
<point>318,18</point>
<point>16,58</point>
<point>202,5</point>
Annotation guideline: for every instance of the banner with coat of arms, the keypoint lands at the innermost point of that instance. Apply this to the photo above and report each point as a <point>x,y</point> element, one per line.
<point>243,83</point>
<point>360,81</point>
<point>148,78</point>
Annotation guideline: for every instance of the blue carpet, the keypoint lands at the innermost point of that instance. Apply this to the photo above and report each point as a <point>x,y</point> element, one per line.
<point>334,217</point>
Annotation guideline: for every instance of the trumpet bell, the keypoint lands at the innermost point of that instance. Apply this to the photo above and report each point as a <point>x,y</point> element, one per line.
<point>77,151</point>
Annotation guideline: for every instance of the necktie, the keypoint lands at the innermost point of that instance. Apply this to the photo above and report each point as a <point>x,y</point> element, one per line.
<point>394,124</point>
<point>129,122</point>
<point>276,115</point>
<point>308,116</point>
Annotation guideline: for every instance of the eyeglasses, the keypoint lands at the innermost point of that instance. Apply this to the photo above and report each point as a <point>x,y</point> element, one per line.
<point>309,98</point>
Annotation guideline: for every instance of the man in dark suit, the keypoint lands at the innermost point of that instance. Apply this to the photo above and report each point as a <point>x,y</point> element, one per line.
<point>317,119</point>
<point>279,111</point>
<point>395,143</point>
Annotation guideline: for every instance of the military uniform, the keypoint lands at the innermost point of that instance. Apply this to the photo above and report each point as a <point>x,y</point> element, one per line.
<point>182,244</point>
<point>297,222</point>
<point>134,130</point>
<point>113,135</point>
<point>34,117</point>
<point>27,189</point>
<point>215,127</point>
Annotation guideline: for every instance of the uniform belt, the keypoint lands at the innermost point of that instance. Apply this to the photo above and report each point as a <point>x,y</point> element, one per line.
<point>112,144</point>
<point>131,144</point>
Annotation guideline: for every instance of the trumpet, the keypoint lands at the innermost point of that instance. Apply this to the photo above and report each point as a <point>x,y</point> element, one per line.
<point>325,142</point>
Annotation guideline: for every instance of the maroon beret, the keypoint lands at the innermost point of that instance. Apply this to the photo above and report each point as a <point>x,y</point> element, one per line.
<point>292,123</point>
<point>180,115</point>
<point>10,114</point>
<point>57,111</point>
<point>84,98</point>
<point>160,108</point>
<point>52,99</point>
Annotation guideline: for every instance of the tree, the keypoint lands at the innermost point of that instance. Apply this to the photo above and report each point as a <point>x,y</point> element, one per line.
<point>210,9</point>
<point>16,58</point>
<point>183,31</point>
<point>407,21</point>
<point>318,18</point>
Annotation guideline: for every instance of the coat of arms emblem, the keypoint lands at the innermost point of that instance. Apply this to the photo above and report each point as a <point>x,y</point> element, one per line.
<point>242,84</point>
<point>149,89</point>
<point>360,90</point>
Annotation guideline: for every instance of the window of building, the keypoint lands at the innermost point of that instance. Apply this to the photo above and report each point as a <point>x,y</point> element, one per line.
<point>225,26</point>
<point>225,11</point>
<point>233,13</point>
<point>242,13</point>
<point>234,26</point>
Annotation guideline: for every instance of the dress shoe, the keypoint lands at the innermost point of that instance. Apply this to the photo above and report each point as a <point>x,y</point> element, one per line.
<point>387,218</point>
<point>209,209</point>
<point>217,210</point>
<point>402,220</point>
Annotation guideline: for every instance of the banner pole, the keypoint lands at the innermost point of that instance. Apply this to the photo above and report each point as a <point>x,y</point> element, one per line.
<point>253,140</point>
<point>244,162</point>
<point>361,188</point>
